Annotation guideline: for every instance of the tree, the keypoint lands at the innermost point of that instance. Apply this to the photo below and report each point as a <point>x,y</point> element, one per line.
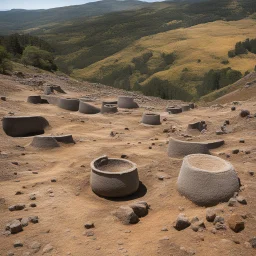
<point>36,57</point>
<point>5,64</point>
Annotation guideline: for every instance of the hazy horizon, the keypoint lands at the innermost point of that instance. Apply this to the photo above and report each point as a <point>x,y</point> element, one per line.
<point>46,4</point>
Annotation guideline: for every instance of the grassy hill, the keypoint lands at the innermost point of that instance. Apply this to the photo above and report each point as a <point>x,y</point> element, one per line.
<point>163,49</point>
<point>18,20</point>
<point>208,43</point>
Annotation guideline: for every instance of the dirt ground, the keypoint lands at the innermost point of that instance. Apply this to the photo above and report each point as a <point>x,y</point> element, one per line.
<point>63,207</point>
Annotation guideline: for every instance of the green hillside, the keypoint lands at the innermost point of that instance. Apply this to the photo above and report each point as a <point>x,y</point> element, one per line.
<point>169,49</point>
<point>16,20</point>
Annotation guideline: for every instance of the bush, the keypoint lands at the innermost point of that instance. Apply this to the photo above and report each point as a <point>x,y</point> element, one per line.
<point>5,64</point>
<point>231,54</point>
<point>169,58</point>
<point>36,57</point>
<point>225,62</point>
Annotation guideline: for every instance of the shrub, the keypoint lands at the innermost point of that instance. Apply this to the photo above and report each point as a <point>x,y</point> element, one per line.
<point>36,57</point>
<point>231,54</point>
<point>225,62</point>
<point>5,64</point>
<point>169,58</point>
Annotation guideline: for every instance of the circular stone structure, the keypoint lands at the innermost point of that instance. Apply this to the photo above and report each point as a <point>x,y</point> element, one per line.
<point>46,142</point>
<point>185,108</point>
<point>126,102</point>
<point>51,99</point>
<point>66,139</point>
<point>110,102</point>
<point>34,99</point>
<point>113,177</point>
<point>68,104</point>
<point>151,119</point>
<point>22,126</point>
<point>174,110</point>
<point>207,180</point>
<point>109,109</point>
<point>86,108</point>
<point>179,148</point>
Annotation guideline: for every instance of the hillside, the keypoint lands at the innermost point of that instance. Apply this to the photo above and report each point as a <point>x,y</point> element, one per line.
<point>17,20</point>
<point>164,49</point>
<point>208,42</point>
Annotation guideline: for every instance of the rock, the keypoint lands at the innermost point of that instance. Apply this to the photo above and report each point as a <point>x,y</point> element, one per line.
<point>17,207</point>
<point>219,132</point>
<point>220,226</point>
<point>253,242</point>
<point>236,223</point>
<point>233,108</point>
<point>19,193</point>
<point>35,246</point>
<point>235,151</point>
<point>210,214</point>
<point>32,197</point>
<point>241,141</point>
<point>18,243</point>
<point>89,233</point>
<point>166,130</point>
<point>124,156</point>
<point>126,215</point>
<point>232,202</point>
<point>15,227</point>
<point>53,180</point>
<point>182,222</point>
<point>227,122</point>
<point>48,248</point>
<point>244,113</point>
<point>33,205</point>
<point>241,200</point>
<point>218,219</point>
<point>139,209</point>
<point>251,173</point>
<point>198,226</point>
<point>10,253</point>
<point>164,229</point>
<point>24,222</point>
<point>89,225</point>
<point>3,98</point>
<point>33,219</point>
<point>15,163</point>
<point>247,152</point>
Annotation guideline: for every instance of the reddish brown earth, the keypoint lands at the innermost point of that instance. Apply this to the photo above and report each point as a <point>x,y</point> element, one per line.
<point>65,206</point>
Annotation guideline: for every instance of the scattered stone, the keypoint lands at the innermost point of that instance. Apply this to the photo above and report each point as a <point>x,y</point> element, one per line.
<point>220,226</point>
<point>241,200</point>
<point>218,219</point>
<point>247,152</point>
<point>198,226</point>
<point>112,134</point>
<point>232,202</point>
<point>251,173</point>
<point>219,132</point>
<point>166,130</point>
<point>241,141</point>
<point>3,98</point>
<point>253,242</point>
<point>124,156</point>
<point>19,193</point>
<point>54,180</point>
<point>48,248</point>
<point>233,108</point>
<point>164,229</point>
<point>10,253</point>
<point>182,222</point>
<point>24,222</point>
<point>34,219</point>
<point>14,227</point>
<point>227,122</point>
<point>35,246</point>
<point>235,151</point>
<point>15,163</point>
<point>141,210</point>
<point>244,113</point>
<point>89,225</point>
<point>89,233</point>
<point>126,215</point>
<point>32,197</point>
<point>33,205</point>
<point>210,214</point>
<point>18,243</point>
<point>17,207</point>
<point>236,223</point>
